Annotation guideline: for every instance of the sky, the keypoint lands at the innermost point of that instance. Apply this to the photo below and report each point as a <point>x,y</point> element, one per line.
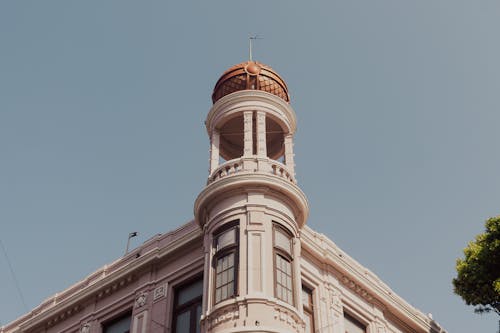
<point>102,105</point>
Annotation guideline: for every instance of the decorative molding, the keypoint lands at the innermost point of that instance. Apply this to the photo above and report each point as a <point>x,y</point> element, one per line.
<point>380,328</point>
<point>141,299</point>
<point>223,315</point>
<point>357,288</point>
<point>111,289</point>
<point>254,100</point>
<point>290,318</point>
<point>63,315</point>
<point>335,300</point>
<point>159,292</point>
<point>85,328</point>
<point>117,275</point>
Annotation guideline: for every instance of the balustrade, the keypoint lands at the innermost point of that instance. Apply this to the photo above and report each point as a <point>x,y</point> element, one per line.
<point>251,165</point>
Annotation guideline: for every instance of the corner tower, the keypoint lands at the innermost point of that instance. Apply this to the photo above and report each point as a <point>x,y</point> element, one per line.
<point>251,210</point>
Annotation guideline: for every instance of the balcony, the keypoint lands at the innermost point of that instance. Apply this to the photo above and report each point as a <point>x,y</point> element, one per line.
<point>251,164</point>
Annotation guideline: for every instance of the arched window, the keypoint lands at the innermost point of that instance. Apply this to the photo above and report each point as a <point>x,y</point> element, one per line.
<point>283,276</point>
<point>225,261</point>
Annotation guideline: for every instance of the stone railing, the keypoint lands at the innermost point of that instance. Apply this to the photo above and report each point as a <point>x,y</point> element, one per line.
<point>251,165</point>
<point>226,169</point>
<point>281,170</point>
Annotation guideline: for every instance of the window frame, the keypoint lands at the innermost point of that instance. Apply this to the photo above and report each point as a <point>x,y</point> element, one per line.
<point>278,251</point>
<point>127,314</point>
<point>191,305</point>
<point>353,319</point>
<point>223,252</point>
<point>308,308</point>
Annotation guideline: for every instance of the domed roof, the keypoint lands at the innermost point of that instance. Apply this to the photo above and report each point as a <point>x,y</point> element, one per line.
<point>250,75</point>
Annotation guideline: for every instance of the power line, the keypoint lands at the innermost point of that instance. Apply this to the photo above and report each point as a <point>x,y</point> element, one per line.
<point>14,276</point>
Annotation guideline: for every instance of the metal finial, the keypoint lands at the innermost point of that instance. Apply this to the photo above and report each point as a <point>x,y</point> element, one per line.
<point>250,39</point>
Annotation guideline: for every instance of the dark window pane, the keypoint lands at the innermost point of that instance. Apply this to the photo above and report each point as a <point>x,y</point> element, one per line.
<point>190,292</point>
<point>224,277</point>
<point>198,317</point>
<point>121,325</point>
<point>182,323</point>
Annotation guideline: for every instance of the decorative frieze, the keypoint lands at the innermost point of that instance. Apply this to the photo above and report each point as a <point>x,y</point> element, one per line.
<point>222,316</point>
<point>357,288</point>
<point>290,318</point>
<point>63,315</point>
<point>111,289</point>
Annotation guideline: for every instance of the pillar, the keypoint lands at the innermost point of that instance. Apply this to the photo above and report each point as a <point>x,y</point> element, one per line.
<point>289,153</point>
<point>214,150</point>
<point>261,134</point>
<point>247,133</point>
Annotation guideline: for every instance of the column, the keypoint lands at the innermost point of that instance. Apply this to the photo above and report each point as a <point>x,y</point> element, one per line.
<point>261,134</point>
<point>214,150</point>
<point>289,153</point>
<point>247,133</point>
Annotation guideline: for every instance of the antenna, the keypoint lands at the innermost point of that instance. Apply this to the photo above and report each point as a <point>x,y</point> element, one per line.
<point>250,39</point>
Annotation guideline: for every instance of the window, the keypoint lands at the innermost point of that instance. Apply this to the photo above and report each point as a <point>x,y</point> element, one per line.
<point>226,262</point>
<point>187,308</point>
<point>307,303</point>
<point>283,278</point>
<point>352,325</point>
<point>119,325</point>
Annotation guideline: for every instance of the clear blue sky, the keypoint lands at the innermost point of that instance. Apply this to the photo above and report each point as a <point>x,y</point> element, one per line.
<point>102,106</point>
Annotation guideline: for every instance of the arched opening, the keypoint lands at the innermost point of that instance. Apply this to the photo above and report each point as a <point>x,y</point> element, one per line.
<point>274,139</point>
<point>231,138</point>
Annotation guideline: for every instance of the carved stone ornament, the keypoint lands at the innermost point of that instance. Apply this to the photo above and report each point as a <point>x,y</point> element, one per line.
<point>289,318</point>
<point>380,326</point>
<point>85,328</point>
<point>141,299</point>
<point>357,288</point>
<point>335,302</point>
<point>222,316</point>
<point>159,292</point>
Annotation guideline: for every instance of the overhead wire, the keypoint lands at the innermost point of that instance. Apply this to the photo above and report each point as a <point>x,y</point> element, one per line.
<point>16,282</point>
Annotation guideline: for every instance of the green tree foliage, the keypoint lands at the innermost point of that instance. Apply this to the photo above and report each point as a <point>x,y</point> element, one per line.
<point>478,278</point>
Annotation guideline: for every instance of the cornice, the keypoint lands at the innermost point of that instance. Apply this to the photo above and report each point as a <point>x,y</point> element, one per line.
<point>252,181</point>
<point>106,280</point>
<point>362,281</point>
<point>251,100</point>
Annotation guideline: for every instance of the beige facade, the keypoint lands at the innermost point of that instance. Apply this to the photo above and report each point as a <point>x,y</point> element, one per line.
<point>247,262</point>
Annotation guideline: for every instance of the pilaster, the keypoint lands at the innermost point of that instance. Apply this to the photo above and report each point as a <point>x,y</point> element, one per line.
<point>247,133</point>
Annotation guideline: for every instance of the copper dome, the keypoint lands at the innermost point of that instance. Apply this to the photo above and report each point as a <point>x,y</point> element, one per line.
<point>250,75</point>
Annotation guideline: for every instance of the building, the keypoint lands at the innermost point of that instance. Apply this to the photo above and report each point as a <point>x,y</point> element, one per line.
<point>247,262</point>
